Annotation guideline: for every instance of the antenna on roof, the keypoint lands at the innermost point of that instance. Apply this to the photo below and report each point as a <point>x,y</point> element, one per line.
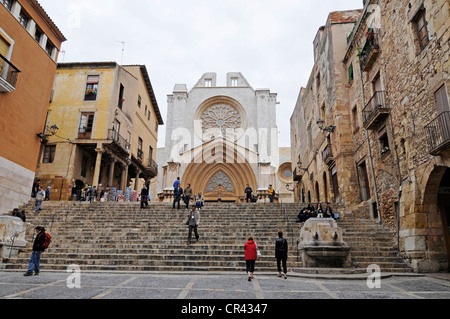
<point>123,50</point>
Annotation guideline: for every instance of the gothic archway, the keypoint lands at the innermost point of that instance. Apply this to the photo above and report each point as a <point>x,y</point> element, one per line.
<point>220,172</point>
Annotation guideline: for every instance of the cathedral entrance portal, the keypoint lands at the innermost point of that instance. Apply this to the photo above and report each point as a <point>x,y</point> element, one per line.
<point>220,182</point>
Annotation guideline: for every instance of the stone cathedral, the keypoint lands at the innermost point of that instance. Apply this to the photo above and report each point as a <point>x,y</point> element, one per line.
<point>221,138</point>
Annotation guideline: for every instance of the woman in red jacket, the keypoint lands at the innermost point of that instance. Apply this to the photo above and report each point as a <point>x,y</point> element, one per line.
<point>251,256</point>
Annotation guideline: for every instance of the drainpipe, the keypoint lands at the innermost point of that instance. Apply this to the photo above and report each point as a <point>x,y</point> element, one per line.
<point>375,189</point>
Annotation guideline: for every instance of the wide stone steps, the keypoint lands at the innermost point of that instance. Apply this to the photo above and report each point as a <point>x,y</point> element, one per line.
<point>124,237</point>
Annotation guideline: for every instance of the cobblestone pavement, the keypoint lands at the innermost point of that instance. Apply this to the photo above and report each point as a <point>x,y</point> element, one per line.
<point>220,286</point>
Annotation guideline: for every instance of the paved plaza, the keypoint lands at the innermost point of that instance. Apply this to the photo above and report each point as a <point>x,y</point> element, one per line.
<point>218,286</point>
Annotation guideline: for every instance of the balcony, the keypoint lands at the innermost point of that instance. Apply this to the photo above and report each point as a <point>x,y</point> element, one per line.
<point>8,75</point>
<point>438,134</point>
<point>328,157</point>
<point>376,111</point>
<point>370,51</point>
<point>119,144</point>
<point>152,168</point>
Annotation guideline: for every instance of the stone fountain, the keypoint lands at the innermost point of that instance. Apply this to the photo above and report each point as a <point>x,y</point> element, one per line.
<point>322,245</point>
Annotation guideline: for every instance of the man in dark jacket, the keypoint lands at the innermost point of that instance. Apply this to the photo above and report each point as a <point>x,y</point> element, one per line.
<point>281,253</point>
<point>144,197</point>
<point>178,193</point>
<point>38,249</point>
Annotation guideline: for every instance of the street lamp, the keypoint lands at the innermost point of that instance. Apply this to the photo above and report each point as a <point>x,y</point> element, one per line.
<point>329,129</point>
<point>49,131</point>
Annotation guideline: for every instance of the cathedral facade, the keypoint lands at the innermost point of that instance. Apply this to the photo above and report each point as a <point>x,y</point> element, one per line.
<point>219,139</point>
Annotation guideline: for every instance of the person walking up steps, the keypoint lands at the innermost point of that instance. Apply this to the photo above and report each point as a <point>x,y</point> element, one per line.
<point>281,254</point>
<point>251,255</point>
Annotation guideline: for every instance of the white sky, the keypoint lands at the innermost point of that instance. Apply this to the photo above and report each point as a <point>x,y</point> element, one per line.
<point>268,41</point>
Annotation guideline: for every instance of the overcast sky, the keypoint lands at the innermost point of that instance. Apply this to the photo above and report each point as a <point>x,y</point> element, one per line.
<point>268,41</point>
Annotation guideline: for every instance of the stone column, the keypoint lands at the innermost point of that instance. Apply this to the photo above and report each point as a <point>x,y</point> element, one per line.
<point>124,178</point>
<point>98,166</point>
<point>111,173</point>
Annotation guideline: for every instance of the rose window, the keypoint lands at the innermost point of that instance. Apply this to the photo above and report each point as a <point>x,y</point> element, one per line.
<point>218,119</point>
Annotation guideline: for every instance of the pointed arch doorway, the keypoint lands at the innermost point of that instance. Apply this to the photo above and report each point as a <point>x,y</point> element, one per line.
<point>220,182</point>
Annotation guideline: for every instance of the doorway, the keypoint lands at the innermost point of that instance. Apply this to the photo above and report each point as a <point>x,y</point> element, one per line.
<point>444,209</point>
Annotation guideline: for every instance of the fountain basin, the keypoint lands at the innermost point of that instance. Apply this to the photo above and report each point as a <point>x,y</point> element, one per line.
<point>322,245</point>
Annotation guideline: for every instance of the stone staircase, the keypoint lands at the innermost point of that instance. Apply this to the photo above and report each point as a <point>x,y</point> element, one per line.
<point>122,237</point>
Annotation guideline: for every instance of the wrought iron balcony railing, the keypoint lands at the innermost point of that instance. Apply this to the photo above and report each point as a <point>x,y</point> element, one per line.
<point>438,133</point>
<point>370,50</point>
<point>328,157</point>
<point>119,141</point>
<point>152,167</point>
<point>376,110</point>
<point>8,75</point>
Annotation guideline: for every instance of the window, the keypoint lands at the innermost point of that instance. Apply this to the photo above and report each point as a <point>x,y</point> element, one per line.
<point>355,118</point>
<point>442,100</point>
<point>86,126</point>
<point>49,154</point>
<point>121,92</point>
<point>208,83</point>
<point>116,130</point>
<point>150,153</point>
<point>421,29</point>
<point>234,82</point>
<point>156,127</point>
<point>350,73</point>
<point>140,153</point>
<point>23,19</point>
<point>383,140</point>
<point>91,88</point>
<point>38,35</point>
<point>363,181</point>
<point>7,4</point>
<point>49,47</point>
<point>318,81</point>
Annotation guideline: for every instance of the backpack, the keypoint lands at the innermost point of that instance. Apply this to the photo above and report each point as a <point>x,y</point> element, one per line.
<point>47,242</point>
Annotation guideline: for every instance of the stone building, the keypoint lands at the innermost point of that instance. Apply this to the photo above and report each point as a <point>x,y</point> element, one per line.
<point>322,151</point>
<point>221,138</point>
<point>108,120</point>
<point>396,64</point>
<point>29,46</point>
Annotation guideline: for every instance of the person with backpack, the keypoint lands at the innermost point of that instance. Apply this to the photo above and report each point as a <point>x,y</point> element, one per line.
<point>41,243</point>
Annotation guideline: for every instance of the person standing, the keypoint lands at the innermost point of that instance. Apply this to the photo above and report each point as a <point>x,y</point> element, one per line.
<point>92,196</point>
<point>248,193</point>
<point>193,223</point>
<point>176,184</point>
<point>35,188</point>
<point>47,193</point>
<point>38,249</point>
<point>40,196</point>
<point>187,195</point>
<point>251,255</point>
<point>178,193</point>
<point>281,254</point>
<point>271,193</point>
<point>144,197</point>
